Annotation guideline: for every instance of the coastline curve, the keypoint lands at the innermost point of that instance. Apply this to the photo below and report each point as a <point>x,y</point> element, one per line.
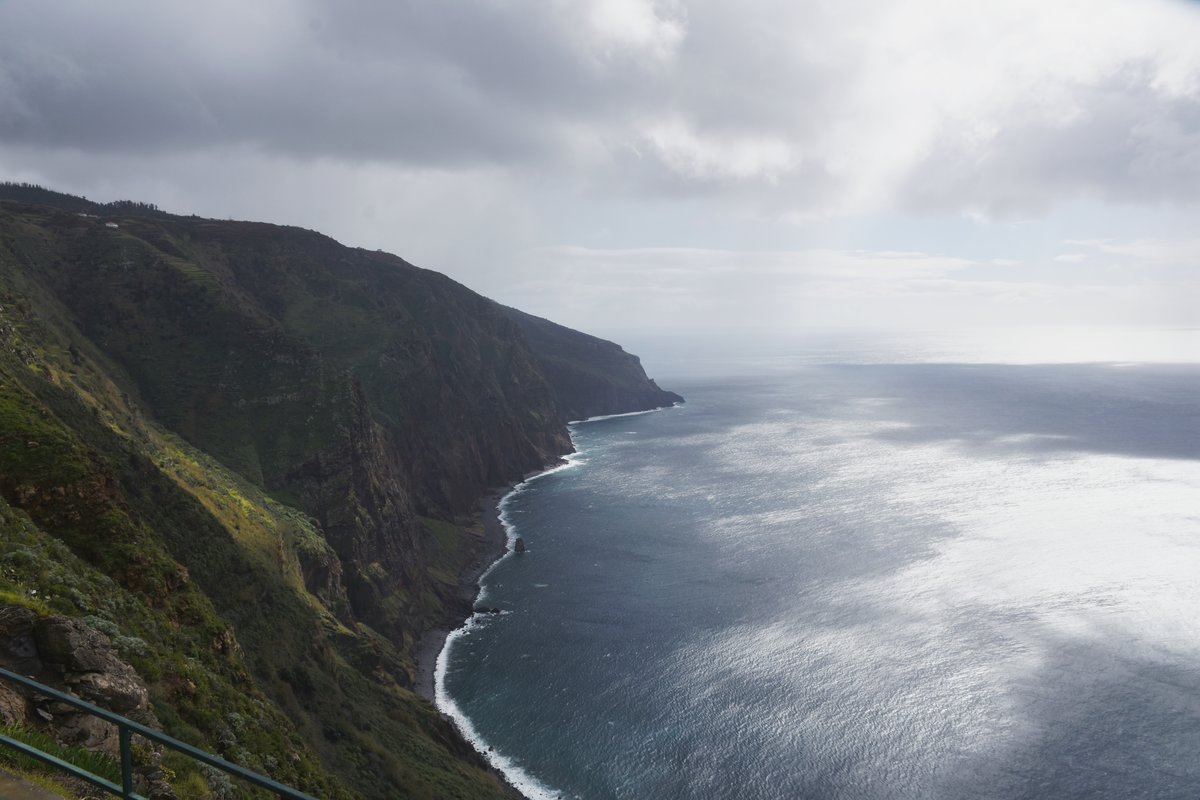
<point>517,776</point>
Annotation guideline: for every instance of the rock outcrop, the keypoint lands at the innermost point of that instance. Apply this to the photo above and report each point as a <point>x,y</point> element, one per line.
<point>73,657</point>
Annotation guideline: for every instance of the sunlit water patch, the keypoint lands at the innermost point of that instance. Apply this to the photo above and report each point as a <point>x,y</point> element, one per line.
<point>858,582</point>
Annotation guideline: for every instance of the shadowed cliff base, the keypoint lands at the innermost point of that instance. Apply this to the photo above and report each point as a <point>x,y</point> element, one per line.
<point>495,546</point>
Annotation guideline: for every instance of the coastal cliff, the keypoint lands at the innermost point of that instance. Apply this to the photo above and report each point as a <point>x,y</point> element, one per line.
<point>253,456</point>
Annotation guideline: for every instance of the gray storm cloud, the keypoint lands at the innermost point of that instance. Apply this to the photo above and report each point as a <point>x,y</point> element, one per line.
<point>417,83</point>
<point>661,162</point>
<point>915,104</point>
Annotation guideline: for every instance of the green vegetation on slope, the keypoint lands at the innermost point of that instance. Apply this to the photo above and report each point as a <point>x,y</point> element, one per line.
<point>252,457</point>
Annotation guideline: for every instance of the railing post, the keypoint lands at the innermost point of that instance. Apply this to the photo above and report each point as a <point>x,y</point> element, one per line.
<point>125,730</point>
<point>126,762</point>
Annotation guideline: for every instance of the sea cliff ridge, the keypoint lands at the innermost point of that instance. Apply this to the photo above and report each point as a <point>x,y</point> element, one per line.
<point>253,458</point>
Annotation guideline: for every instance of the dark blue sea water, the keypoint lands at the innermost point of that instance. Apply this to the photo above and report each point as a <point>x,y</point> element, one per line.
<point>917,581</point>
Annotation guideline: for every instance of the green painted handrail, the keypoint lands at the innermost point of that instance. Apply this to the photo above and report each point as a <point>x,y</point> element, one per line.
<point>126,728</point>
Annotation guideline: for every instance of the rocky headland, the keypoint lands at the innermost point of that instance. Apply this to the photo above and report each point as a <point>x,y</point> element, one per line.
<point>252,459</point>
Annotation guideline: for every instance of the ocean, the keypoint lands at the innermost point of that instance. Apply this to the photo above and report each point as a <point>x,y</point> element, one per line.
<point>855,581</point>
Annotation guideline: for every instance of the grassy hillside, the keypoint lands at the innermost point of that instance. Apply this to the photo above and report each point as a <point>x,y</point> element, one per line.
<point>251,456</point>
<point>199,577</point>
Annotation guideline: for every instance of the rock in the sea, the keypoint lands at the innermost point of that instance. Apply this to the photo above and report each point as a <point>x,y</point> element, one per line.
<point>519,545</point>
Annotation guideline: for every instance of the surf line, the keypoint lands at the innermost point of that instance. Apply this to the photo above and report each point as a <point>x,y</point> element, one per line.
<point>513,772</point>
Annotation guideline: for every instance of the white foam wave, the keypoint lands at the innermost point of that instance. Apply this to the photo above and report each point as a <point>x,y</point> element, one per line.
<point>626,414</point>
<point>510,529</point>
<point>527,784</point>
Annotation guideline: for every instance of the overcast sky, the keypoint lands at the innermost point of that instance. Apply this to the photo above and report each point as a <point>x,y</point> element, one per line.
<point>627,166</point>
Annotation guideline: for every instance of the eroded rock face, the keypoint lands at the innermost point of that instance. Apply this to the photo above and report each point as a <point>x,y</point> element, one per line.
<point>71,656</point>
<point>90,668</point>
<point>12,704</point>
<point>18,650</point>
<point>74,646</point>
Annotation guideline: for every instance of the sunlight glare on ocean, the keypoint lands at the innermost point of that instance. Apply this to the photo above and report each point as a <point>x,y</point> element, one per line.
<point>860,581</point>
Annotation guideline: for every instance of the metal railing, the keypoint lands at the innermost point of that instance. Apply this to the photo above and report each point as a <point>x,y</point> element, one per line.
<point>125,730</point>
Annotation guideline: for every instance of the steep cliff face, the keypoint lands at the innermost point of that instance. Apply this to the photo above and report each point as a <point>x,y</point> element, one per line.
<point>589,376</point>
<point>252,431</point>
